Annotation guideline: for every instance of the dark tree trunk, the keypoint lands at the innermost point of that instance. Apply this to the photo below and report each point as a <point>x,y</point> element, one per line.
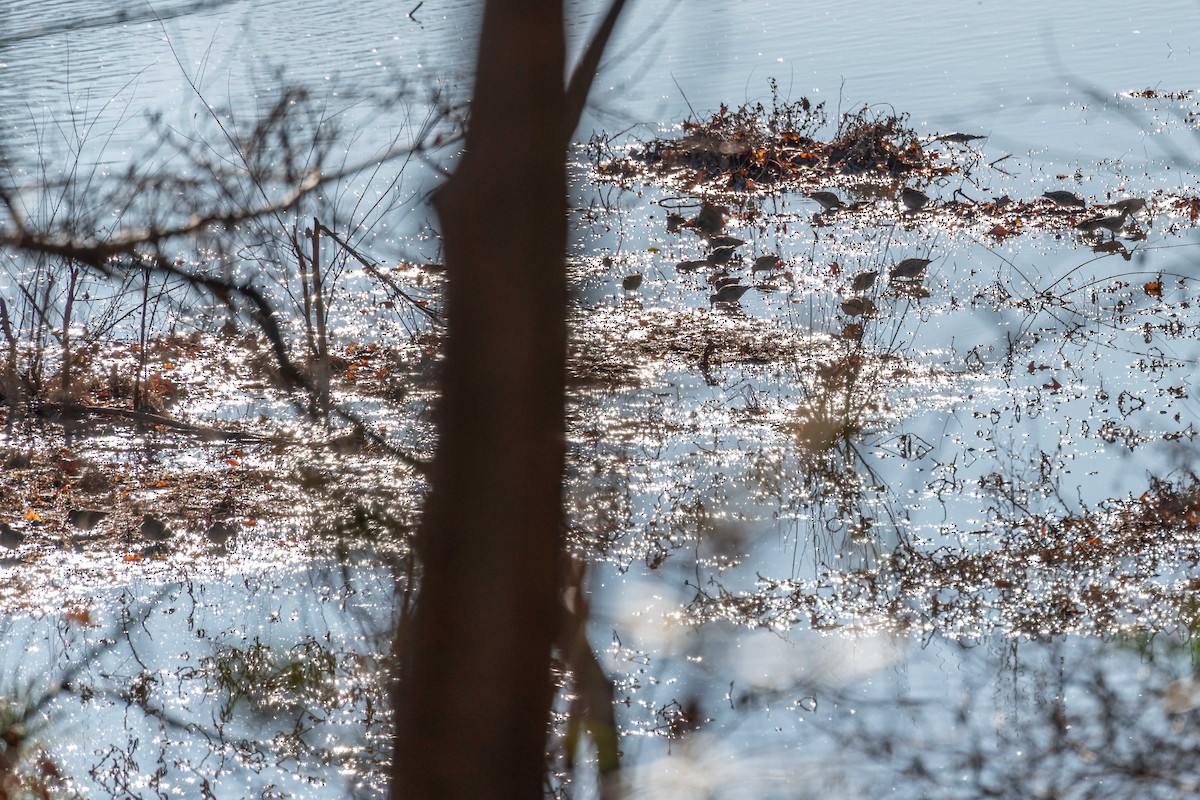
<point>475,692</point>
<point>475,705</point>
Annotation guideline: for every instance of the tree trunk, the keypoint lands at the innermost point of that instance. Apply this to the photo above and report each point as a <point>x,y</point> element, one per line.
<point>473,707</point>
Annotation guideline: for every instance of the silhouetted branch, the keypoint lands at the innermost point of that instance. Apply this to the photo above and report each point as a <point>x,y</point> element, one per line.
<point>148,13</point>
<point>96,253</point>
<point>371,270</point>
<point>584,73</point>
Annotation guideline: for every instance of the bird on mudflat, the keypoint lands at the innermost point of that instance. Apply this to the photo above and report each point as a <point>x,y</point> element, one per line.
<point>220,532</point>
<point>767,263</point>
<point>1061,197</point>
<point>913,199</point>
<point>910,269</point>
<point>859,307</point>
<point>1111,223</point>
<point>10,537</point>
<point>863,281</point>
<point>721,255</point>
<point>828,200</point>
<point>725,240</point>
<point>710,221</point>
<point>719,280</point>
<point>730,293</point>
<point>630,283</point>
<point>86,518</point>
<point>154,529</point>
<point>1110,247</point>
<point>1131,205</point>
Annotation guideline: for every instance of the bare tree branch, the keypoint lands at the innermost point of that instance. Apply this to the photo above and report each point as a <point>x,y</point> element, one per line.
<point>584,73</point>
<point>121,17</point>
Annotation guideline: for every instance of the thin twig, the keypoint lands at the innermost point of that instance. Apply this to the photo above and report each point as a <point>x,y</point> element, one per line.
<point>375,273</point>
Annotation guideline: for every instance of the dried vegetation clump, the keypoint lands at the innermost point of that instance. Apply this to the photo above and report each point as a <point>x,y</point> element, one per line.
<point>755,147</point>
<point>871,142</point>
<point>1098,572</point>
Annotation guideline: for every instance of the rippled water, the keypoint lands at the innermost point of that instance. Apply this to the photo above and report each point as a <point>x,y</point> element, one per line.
<point>769,620</point>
